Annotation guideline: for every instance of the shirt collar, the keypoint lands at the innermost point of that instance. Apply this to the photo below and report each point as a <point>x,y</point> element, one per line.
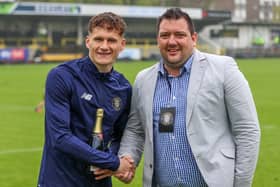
<point>186,68</point>
<point>92,68</point>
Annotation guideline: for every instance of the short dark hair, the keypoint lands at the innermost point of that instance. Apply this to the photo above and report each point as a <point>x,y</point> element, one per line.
<point>109,21</point>
<point>176,13</point>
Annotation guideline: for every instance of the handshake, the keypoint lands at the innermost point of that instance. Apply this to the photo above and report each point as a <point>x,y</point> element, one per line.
<point>124,173</point>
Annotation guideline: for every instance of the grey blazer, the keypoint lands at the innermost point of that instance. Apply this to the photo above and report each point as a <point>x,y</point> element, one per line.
<point>222,123</point>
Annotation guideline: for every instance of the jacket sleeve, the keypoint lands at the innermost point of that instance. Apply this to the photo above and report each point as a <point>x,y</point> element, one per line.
<point>244,123</point>
<point>58,131</point>
<point>120,126</point>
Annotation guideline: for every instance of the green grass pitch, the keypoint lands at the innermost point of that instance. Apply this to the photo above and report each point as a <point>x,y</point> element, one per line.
<point>22,130</point>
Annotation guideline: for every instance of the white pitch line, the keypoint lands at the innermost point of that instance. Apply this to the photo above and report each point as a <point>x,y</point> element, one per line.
<point>14,151</point>
<point>268,126</point>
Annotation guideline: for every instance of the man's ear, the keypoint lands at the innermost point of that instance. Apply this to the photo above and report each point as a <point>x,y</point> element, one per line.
<point>123,44</point>
<point>194,39</point>
<point>87,41</point>
<point>158,41</point>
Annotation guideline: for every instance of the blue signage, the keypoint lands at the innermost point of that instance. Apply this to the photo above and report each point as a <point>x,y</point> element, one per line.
<point>14,55</point>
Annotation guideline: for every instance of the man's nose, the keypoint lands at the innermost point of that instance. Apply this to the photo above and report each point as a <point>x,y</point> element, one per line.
<point>172,39</point>
<point>104,44</point>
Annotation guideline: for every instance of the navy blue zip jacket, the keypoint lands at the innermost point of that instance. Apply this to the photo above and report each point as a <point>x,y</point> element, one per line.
<point>74,91</point>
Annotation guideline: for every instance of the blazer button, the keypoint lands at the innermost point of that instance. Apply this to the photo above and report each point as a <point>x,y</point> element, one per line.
<point>151,166</point>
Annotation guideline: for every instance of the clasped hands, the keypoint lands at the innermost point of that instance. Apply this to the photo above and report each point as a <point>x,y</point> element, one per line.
<point>124,173</point>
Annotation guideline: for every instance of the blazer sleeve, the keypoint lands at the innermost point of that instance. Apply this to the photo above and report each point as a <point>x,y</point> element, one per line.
<point>244,123</point>
<point>133,138</point>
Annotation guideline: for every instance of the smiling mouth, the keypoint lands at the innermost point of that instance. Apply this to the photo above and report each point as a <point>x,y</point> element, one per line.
<point>173,51</point>
<point>104,54</point>
<point>173,48</point>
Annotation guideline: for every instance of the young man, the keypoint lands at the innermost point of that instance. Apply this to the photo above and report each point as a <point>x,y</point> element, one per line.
<point>193,114</point>
<point>74,92</point>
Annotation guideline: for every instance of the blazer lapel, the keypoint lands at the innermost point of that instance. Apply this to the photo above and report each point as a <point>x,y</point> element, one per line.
<point>198,68</point>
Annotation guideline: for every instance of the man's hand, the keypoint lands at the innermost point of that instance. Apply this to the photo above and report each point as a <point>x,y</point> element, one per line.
<point>127,175</point>
<point>102,173</point>
<point>125,172</point>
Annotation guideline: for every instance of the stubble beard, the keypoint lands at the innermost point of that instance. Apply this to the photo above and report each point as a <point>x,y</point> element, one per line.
<point>174,65</point>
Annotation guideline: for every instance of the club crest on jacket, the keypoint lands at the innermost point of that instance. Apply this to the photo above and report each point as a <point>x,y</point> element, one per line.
<point>116,103</point>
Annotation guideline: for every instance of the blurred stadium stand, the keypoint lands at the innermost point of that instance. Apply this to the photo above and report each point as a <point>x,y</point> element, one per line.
<point>56,31</point>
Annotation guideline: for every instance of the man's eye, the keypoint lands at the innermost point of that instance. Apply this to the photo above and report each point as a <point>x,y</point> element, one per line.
<point>97,39</point>
<point>164,36</point>
<point>180,35</point>
<point>112,40</point>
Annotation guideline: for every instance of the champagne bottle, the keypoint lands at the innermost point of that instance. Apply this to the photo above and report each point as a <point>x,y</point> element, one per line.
<point>97,136</point>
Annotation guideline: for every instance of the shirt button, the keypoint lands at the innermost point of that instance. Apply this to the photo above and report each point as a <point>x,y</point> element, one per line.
<point>151,166</point>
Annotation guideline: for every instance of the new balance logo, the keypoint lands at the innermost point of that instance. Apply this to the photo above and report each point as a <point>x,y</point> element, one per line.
<point>86,96</point>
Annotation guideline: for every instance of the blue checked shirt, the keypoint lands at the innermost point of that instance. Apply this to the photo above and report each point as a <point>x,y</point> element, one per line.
<point>175,165</point>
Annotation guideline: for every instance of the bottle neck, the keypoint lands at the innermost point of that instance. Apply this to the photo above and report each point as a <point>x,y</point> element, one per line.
<point>98,122</point>
<point>98,125</point>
